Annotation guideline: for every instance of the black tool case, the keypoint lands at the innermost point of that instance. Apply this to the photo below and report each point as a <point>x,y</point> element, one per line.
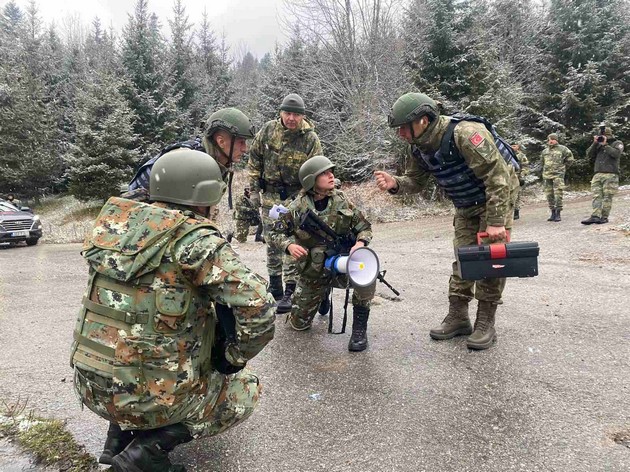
<point>490,261</point>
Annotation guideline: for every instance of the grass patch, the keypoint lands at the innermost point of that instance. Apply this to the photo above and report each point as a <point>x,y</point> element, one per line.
<point>89,212</point>
<point>47,440</point>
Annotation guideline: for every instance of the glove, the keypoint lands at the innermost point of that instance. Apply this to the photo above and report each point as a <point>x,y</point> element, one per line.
<point>219,362</point>
<point>255,199</point>
<point>225,330</point>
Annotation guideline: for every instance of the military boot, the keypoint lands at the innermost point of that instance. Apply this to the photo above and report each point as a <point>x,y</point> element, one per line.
<point>358,340</point>
<point>116,442</point>
<point>602,220</point>
<point>517,213</point>
<point>324,306</point>
<point>229,237</point>
<point>285,304</point>
<point>456,322</point>
<point>275,286</point>
<point>259,238</point>
<point>557,218</point>
<point>553,215</point>
<point>148,452</point>
<point>484,334</point>
<point>590,220</point>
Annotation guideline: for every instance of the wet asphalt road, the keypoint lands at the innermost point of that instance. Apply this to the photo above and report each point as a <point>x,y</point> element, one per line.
<point>549,396</point>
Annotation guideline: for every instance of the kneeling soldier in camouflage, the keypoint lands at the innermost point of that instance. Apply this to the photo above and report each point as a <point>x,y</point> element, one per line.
<point>320,196</point>
<point>169,320</point>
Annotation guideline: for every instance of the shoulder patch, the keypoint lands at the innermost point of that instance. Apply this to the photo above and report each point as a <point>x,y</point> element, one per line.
<point>620,146</point>
<point>476,139</point>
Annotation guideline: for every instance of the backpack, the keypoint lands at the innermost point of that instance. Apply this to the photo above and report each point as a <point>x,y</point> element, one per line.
<point>143,175</point>
<point>449,150</point>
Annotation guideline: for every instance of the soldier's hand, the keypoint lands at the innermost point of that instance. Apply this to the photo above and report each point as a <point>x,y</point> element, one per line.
<point>255,199</point>
<point>384,181</point>
<point>496,233</point>
<point>357,246</point>
<point>297,251</point>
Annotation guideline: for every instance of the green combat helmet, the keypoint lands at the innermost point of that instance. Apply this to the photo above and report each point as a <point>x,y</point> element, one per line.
<point>410,107</point>
<point>232,120</point>
<point>187,177</point>
<point>293,103</point>
<point>311,169</point>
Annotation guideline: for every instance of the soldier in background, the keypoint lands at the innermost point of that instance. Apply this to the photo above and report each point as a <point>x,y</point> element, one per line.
<point>14,201</point>
<point>247,215</point>
<point>481,185</point>
<point>168,326</point>
<point>278,151</point>
<point>321,197</point>
<point>605,182</point>
<point>521,174</point>
<point>556,158</point>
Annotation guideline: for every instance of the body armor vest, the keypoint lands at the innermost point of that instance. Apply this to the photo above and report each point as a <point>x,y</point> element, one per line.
<point>143,324</point>
<point>454,177</point>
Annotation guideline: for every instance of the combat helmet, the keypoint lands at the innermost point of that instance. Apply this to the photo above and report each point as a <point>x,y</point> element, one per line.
<point>311,169</point>
<point>293,103</point>
<point>232,120</point>
<point>186,177</point>
<point>410,107</point>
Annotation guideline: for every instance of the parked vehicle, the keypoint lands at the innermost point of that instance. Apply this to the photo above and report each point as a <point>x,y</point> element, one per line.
<point>18,224</point>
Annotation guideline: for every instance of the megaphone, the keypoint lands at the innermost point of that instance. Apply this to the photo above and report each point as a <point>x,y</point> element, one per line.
<point>362,266</point>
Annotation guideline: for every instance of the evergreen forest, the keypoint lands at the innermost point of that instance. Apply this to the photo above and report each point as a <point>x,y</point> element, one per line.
<point>82,106</point>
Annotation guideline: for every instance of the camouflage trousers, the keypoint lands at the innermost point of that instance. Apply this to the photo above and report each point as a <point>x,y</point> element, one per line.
<point>467,223</point>
<point>278,262</point>
<point>554,190</point>
<point>310,293</point>
<point>204,414</point>
<point>517,203</point>
<point>242,229</point>
<point>604,187</point>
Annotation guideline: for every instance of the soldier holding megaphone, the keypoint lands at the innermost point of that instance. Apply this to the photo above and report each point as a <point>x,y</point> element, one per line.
<point>326,234</point>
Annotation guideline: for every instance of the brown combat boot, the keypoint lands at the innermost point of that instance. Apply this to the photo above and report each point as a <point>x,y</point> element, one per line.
<point>484,334</point>
<point>456,322</point>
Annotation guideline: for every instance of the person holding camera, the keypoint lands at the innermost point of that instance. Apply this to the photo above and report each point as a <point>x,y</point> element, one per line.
<point>605,182</point>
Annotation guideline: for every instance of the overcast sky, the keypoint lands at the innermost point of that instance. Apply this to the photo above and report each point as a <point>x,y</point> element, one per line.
<point>250,23</point>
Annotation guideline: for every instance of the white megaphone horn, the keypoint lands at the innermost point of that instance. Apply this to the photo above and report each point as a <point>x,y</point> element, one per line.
<point>362,266</point>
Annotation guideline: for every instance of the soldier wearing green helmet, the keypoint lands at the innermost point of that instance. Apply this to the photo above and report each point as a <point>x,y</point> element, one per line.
<point>483,189</point>
<point>321,197</point>
<point>277,152</point>
<point>170,318</point>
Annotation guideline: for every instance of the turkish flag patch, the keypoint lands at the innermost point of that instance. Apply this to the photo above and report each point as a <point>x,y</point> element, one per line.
<point>476,139</point>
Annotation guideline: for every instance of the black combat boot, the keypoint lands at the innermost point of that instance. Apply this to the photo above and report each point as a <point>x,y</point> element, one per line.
<point>324,306</point>
<point>259,238</point>
<point>484,334</point>
<point>285,304</point>
<point>229,237</point>
<point>590,220</point>
<point>275,286</point>
<point>456,323</point>
<point>557,218</point>
<point>358,340</point>
<point>517,214</point>
<point>602,220</point>
<point>116,442</point>
<point>148,452</point>
<point>553,215</point>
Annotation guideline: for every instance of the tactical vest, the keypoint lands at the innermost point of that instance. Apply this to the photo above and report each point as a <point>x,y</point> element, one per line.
<point>143,324</point>
<point>453,176</point>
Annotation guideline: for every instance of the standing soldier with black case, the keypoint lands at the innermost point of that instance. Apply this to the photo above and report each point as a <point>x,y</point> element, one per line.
<point>482,186</point>
<point>278,151</point>
<point>605,182</point>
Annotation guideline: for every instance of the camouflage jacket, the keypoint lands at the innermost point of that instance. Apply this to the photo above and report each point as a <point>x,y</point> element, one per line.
<point>245,211</point>
<point>148,320</point>
<point>524,162</point>
<point>606,157</point>
<point>555,160</point>
<point>340,215</point>
<point>276,156</point>
<point>476,146</point>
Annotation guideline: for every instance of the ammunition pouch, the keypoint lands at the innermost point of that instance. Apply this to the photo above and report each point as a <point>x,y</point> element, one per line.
<point>284,191</point>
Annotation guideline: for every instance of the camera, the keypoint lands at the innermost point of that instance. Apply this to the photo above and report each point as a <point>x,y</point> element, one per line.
<point>602,133</point>
<point>600,139</point>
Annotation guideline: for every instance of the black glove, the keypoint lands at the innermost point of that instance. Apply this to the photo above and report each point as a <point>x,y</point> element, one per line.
<point>219,362</point>
<point>225,333</point>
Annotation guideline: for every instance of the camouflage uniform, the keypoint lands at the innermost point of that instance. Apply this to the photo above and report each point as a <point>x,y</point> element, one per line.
<point>245,216</point>
<point>147,346</point>
<point>314,281</point>
<point>521,174</point>
<point>605,182</point>
<point>555,161</point>
<point>276,156</point>
<point>476,146</point>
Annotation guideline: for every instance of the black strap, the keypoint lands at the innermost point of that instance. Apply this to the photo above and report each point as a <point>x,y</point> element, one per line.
<point>344,322</point>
